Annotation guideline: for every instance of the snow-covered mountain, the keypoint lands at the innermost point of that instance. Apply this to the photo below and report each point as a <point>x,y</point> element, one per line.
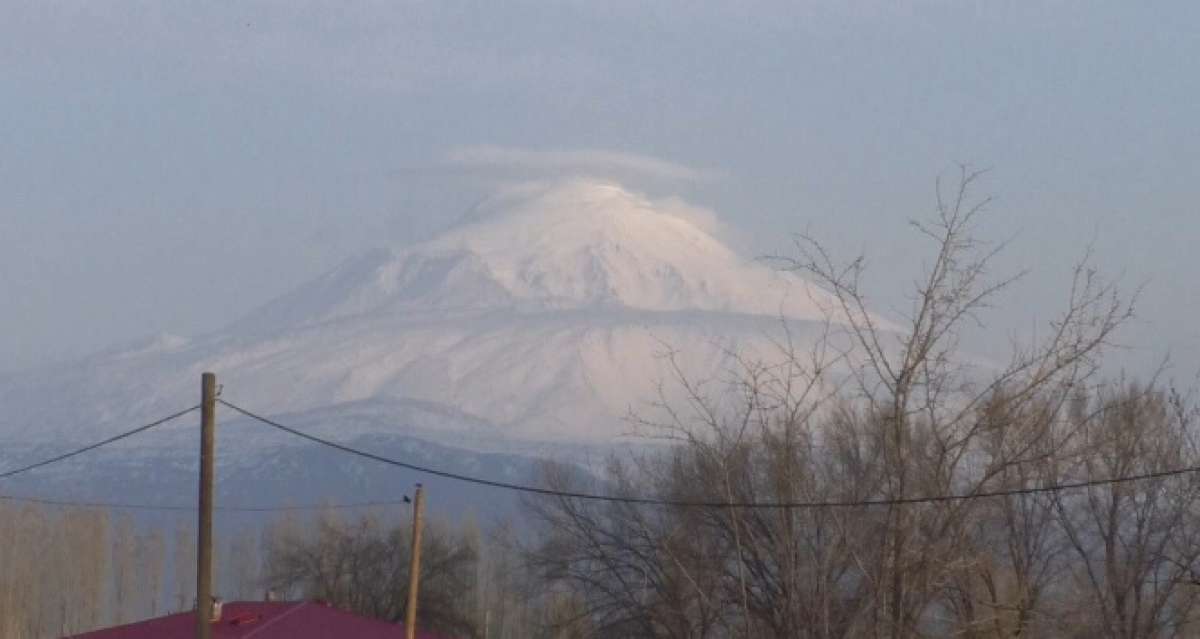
<point>539,317</point>
<point>578,245</point>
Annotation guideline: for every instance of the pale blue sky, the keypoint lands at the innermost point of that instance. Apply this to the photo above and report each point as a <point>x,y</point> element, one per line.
<point>167,166</point>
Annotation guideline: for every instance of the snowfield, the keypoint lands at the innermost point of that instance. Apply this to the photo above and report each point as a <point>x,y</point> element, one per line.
<point>541,317</point>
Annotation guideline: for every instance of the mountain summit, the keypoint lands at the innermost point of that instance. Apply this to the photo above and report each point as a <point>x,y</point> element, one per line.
<point>539,316</point>
<point>579,244</point>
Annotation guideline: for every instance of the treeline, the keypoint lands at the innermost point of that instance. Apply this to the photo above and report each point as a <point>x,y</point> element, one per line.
<point>1108,560</point>
<point>65,571</point>
<point>469,580</point>
<point>69,570</point>
<point>876,431</point>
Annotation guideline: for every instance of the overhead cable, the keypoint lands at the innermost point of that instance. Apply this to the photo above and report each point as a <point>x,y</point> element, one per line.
<point>66,503</point>
<point>537,490</point>
<point>105,442</point>
<point>651,501</point>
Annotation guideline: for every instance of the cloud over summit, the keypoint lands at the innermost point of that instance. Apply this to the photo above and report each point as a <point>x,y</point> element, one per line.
<point>551,163</point>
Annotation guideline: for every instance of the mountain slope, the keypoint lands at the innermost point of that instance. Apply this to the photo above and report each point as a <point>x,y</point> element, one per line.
<point>540,317</point>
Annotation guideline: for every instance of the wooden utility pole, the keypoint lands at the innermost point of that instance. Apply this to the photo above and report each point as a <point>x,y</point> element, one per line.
<point>414,565</point>
<point>204,536</point>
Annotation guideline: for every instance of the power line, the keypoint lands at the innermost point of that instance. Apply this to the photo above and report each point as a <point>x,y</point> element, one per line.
<point>524,488</point>
<point>65,503</point>
<point>105,442</point>
<point>650,501</point>
<point>159,507</point>
<point>43,501</point>
<point>306,507</point>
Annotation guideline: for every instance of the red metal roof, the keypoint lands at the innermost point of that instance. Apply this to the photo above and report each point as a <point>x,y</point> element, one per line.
<point>263,620</point>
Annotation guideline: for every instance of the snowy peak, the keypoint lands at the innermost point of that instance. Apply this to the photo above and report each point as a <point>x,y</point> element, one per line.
<point>570,245</point>
<point>540,317</point>
<point>585,243</point>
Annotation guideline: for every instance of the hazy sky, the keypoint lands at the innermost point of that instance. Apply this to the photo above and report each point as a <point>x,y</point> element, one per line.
<point>168,166</point>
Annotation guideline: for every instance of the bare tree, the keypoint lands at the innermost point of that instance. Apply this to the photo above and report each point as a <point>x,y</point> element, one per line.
<point>641,573</point>
<point>53,571</point>
<point>183,567</point>
<point>1135,546</point>
<point>151,555</point>
<point>866,410</point>
<point>242,566</point>
<point>361,565</point>
<point>124,570</point>
<point>924,396</point>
